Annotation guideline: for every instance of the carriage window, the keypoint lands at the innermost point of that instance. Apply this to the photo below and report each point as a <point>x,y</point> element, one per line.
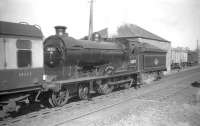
<point>24,54</point>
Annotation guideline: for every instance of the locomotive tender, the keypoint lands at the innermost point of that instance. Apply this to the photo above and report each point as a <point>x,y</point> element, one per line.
<point>62,67</point>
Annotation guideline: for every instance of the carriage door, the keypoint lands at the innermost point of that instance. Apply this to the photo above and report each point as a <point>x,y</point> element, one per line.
<point>24,61</point>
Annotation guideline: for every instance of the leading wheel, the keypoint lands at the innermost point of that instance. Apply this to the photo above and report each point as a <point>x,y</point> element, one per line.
<point>59,98</point>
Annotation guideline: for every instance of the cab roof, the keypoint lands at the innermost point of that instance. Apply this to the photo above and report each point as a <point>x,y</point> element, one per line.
<point>18,29</point>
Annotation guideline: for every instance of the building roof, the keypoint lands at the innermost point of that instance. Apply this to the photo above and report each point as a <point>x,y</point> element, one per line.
<point>17,29</point>
<point>131,31</point>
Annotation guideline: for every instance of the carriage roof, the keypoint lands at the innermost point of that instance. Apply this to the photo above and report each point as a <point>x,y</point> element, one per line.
<point>18,29</point>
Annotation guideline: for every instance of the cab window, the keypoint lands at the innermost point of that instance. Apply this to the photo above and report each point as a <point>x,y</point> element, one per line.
<point>24,53</point>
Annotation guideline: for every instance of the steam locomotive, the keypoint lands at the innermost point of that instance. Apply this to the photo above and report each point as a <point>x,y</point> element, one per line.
<point>62,67</point>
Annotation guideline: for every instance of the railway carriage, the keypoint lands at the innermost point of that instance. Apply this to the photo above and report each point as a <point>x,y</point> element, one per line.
<point>21,59</point>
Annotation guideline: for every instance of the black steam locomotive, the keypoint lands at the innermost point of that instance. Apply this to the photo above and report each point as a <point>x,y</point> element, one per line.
<point>71,67</point>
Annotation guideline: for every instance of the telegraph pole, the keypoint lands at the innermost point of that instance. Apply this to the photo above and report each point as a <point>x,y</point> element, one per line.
<point>91,21</point>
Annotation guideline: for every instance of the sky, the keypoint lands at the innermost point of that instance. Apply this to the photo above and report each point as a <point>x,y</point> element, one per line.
<point>175,20</point>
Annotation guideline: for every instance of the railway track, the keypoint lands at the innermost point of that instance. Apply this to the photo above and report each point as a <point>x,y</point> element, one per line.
<point>75,110</point>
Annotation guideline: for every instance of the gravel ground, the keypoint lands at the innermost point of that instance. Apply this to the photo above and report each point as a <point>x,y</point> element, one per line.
<point>154,114</point>
<point>144,113</point>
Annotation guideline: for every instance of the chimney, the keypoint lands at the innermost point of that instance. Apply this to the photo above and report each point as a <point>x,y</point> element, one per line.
<point>60,30</point>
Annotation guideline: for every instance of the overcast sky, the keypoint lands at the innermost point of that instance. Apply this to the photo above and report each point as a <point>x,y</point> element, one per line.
<point>175,20</point>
